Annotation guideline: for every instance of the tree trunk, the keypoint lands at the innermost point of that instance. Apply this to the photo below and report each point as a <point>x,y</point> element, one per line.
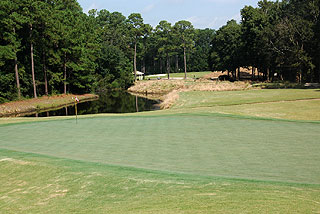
<point>268,74</point>
<point>185,62</point>
<point>177,63</point>
<point>65,73</point>
<point>45,74</point>
<point>160,64</point>
<point>239,74</point>
<point>135,61</point>
<point>168,66</point>
<point>32,65</point>
<point>137,106</point>
<point>253,72</point>
<point>17,76</point>
<point>143,69</point>
<point>16,70</point>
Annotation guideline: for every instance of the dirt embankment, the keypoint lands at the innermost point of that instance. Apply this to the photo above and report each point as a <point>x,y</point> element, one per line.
<point>17,108</point>
<point>168,90</point>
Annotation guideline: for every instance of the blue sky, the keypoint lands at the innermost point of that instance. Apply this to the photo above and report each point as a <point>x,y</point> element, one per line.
<point>202,13</point>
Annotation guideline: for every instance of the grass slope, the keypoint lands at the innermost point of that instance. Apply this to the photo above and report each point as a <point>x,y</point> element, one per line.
<point>208,99</point>
<point>39,184</point>
<point>292,104</point>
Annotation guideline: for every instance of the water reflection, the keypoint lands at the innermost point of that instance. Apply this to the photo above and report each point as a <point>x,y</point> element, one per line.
<point>110,102</point>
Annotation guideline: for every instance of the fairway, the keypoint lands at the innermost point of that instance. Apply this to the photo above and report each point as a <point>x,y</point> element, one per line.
<point>213,152</point>
<point>193,144</point>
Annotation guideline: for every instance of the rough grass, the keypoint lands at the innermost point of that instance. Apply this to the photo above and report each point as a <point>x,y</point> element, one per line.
<point>292,110</point>
<point>167,86</point>
<point>46,102</point>
<point>292,104</point>
<point>157,86</point>
<point>170,89</point>
<point>224,98</point>
<point>51,185</point>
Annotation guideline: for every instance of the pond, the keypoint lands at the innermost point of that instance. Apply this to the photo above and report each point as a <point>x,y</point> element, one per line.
<point>109,102</point>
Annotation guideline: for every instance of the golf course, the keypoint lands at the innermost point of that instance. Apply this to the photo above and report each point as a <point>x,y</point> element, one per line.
<point>249,151</point>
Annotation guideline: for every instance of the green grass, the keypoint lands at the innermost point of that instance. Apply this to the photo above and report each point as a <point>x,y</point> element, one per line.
<point>190,159</point>
<point>181,75</point>
<point>197,145</point>
<point>208,99</point>
<point>33,183</point>
<point>292,104</point>
<point>291,110</point>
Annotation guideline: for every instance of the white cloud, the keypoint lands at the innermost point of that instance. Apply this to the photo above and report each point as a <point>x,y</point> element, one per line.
<point>207,22</point>
<point>148,8</point>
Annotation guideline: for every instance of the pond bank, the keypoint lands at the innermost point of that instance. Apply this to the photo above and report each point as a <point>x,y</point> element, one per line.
<point>168,90</point>
<point>16,108</point>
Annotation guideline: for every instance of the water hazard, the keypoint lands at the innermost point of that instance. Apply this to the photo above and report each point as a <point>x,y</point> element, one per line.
<point>109,102</point>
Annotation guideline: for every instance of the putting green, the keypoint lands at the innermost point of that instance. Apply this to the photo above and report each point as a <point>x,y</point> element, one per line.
<point>194,144</point>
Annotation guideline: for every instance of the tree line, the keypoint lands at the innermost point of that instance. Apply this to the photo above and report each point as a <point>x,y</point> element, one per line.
<point>52,47</point>
<point>280,39</point>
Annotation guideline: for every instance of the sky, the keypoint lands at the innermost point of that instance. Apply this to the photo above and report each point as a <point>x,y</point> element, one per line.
<point>201,13</point>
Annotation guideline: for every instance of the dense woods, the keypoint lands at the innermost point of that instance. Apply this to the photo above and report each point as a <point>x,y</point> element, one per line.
<point>53,47</point>
<point>279,38</point>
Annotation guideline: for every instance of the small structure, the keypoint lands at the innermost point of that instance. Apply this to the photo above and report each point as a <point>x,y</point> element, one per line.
<point>139,75</point>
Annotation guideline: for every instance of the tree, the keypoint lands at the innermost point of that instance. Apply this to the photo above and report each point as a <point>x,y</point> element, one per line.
<point>226,45</point>
<point>164,37</point>
<point>184,32</point>
<point>11,22</point>
<point>199,59</point>
<point>145,46</point>
<point>136,31</point>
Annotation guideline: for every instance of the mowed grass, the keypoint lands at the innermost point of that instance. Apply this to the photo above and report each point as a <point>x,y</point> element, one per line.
<point>184,160</point>
<point>224,98</point>
<point>201,145</point>
<point>292,104</point>
<point>291,110</point>
<point>181,75</point>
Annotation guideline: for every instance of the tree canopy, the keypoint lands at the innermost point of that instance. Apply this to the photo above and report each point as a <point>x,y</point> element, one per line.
<point>52,47</point>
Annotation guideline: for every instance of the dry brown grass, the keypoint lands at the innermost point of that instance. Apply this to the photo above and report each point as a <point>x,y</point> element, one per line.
<point>218,86</point>
<point>169,99</point>
<point>168,90</point>
<point>167,86</point>
<point>244,73</point>
<point>202,85</point>
<point>36,104</point>
<point>157,86</point>
<point>214,74</point>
